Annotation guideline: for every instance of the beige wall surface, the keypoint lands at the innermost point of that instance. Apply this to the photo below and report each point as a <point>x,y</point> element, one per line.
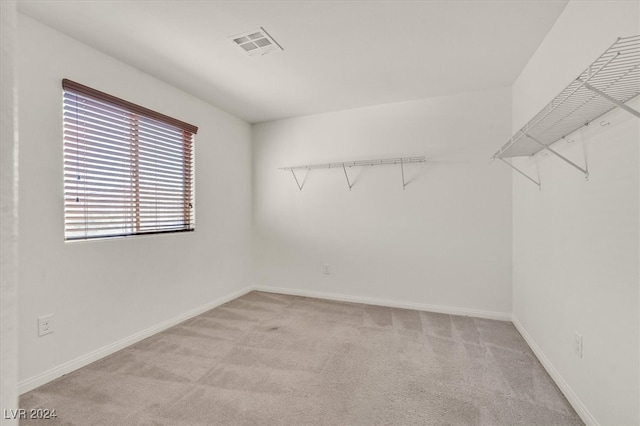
<point>444,241</point>
<point>576,247</point>
<point>103,291</point>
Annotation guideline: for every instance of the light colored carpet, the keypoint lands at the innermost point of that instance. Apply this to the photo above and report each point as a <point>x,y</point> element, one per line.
<point>269,359</point>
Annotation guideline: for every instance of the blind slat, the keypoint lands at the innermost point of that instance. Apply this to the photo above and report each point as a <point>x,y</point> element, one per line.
<point>72,86</point>
<point>114,157</point>
<point>101,132</point>
<point>95,136</point>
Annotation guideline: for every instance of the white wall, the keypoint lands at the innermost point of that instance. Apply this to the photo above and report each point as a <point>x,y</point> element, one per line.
<point>575,247</point>
<point>103,291</point>
<point>8,214</point>
<point>444,242</point>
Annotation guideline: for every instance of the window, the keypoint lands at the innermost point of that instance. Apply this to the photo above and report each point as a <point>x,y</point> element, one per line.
<point>128,170</point>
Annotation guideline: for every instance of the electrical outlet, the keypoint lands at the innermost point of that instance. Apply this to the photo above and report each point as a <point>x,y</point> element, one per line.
<point>326,269</point>
<point>45,325</point>
<point>577,345</point>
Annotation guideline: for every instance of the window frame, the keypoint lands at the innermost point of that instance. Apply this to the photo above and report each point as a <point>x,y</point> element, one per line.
<point>131,115</point>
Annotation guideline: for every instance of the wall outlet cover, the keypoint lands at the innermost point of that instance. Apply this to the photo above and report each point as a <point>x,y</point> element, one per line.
<point>577,345</point>
<point>45,325</point>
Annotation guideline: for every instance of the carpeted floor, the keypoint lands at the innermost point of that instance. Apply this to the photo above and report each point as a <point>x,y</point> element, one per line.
<point>269,359</point>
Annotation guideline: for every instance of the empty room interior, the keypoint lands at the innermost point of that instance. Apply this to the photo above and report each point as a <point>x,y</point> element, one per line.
<point>320,212</point>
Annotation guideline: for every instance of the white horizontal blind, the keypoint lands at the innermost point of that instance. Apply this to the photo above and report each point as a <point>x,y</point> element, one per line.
<point>125,173</point>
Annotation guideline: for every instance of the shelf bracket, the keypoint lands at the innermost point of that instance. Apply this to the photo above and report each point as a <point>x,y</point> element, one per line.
<point>296,178</point>
<point>610,99</point>
<point>557,154</point>
<point>404,184</point>
<point>347,176</point>
<point>520,171</point>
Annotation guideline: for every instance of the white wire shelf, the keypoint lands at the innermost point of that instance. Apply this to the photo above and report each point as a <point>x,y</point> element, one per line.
<point>359,163</point>
<point>609,82</point>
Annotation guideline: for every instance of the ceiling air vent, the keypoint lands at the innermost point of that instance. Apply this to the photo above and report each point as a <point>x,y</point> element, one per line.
<point>256,43</point>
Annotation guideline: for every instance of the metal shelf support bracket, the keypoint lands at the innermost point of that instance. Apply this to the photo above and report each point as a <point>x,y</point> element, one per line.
<point>562,157</point>
<point>296,178</point>
<point>347,176</point>
<point>520,171</point>
<point>610,99</point>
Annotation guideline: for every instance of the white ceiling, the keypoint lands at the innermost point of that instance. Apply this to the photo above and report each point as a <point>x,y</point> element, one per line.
<point>337,54</point>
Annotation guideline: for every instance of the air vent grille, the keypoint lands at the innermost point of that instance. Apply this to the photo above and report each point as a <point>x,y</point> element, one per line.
<point>256,42</point>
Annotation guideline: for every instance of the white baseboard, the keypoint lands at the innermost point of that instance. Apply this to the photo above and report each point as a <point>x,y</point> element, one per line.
<point>54,373</point>
<point>571,396</point>
<point>500,316</point>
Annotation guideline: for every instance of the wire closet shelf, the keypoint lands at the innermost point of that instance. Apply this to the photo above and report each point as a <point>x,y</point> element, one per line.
<point>360,163</point>
<point>609,82</point>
